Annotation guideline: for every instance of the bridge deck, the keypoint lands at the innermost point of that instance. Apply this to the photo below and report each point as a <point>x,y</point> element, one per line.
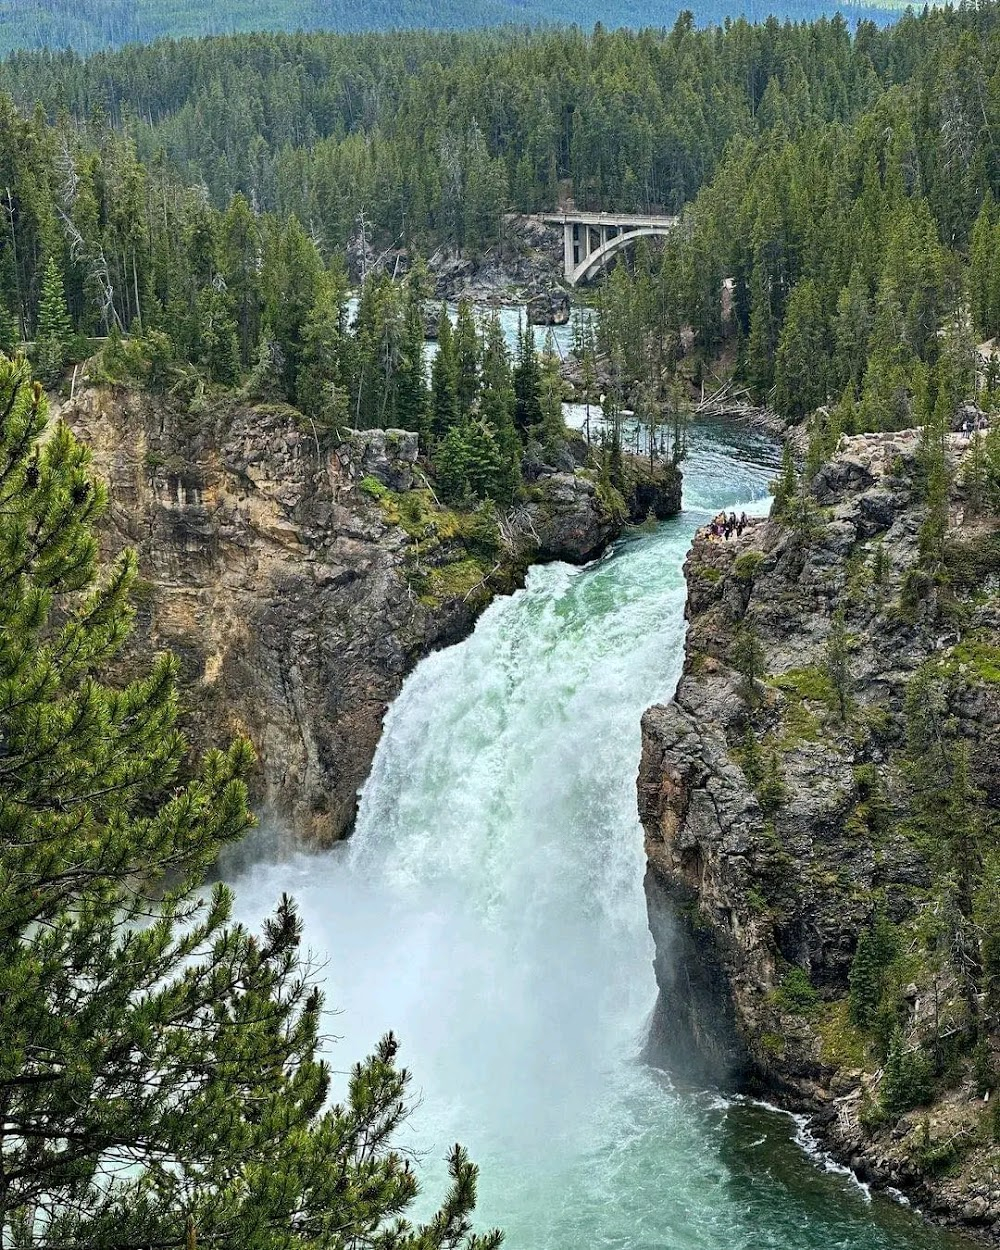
<point>624,220</point>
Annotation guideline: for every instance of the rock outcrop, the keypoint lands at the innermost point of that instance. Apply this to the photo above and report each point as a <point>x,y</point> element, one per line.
<point>299,579</point>
<point>776,803</point>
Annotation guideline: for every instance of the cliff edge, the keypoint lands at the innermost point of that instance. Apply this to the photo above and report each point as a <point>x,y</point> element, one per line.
<point>300,574</point>
<point>819,804</point>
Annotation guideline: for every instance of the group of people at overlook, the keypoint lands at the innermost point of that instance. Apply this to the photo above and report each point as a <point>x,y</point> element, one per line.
<point>726,526</point>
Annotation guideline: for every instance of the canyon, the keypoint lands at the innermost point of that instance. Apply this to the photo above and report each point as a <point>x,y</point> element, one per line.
<point>299,574</point>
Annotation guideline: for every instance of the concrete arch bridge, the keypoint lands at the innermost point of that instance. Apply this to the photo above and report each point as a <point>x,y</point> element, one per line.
<point>591,239</point>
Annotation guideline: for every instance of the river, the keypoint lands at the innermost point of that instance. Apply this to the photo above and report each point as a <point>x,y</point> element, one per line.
<point>489,909</point>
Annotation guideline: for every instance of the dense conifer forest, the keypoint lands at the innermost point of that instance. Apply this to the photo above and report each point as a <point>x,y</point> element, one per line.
<point>198,207</point>
<point>208,200</point>
<point>95,24</point>
<point>143,154</point>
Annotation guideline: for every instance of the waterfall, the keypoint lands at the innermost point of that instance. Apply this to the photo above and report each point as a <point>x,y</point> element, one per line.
<point>489,909</point>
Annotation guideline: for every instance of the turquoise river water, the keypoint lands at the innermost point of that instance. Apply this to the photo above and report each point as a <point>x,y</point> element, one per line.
<point>489,909</point>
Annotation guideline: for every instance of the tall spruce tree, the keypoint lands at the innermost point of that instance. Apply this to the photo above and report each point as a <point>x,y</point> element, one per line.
<point>496,406</point>
<point>444,380</point>
<point>466,358</point>
<point>527,382</point>
<point>160,1081</point>
<point>55,330</point>
<point>413,398</point>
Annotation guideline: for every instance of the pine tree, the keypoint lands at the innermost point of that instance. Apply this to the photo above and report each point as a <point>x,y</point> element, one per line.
<point>496,407</point>
<point>54,331</point>
<point>838,665</point>
<point>291,280</point>
<point>961,826</point>
<point>553,428</point>
<point>161,1082</point>
<point>876,950</point>
<point>906,1079</point>
<point>321,385</point>
<point>444,380</point>
<point>451,467</point>
<point>751,758</point>
<point>466,358</point>
<point>527,382</point>
<point>786,486</point>
<point>762,340</point>
<point>747,656</point>
<point>935,479</point>
<point>984,264</point>
<point>218,341</point>
<point>800,374</point>
<point>613,453</point>
<point>413,410</point>
<point>852,327</point>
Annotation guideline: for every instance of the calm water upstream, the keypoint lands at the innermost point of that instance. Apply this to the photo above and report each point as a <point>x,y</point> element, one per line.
<point>490,910</point>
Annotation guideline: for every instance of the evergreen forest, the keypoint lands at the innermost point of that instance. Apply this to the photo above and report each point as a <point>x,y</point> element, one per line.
<point>95,24</point>
<point>260,215</point>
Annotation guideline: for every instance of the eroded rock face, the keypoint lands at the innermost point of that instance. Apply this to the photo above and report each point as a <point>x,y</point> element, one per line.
<point>286,579</point>
<point>759,887</point>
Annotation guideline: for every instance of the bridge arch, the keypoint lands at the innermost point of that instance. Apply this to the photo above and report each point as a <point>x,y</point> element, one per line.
<point>613,232</point>
<point>589,266</point>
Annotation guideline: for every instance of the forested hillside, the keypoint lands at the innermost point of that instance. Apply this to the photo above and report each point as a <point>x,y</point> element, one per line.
<point>432,137</point>
<point>208,194</point>
<point>863,259</point>
<point>94,24</point>
<point>205,198</point>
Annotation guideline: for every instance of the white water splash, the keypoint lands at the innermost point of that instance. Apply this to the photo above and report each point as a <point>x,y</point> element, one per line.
<point>490,910</point>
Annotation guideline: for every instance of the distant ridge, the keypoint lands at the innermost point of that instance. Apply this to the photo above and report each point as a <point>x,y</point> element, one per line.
<point>90,25</point>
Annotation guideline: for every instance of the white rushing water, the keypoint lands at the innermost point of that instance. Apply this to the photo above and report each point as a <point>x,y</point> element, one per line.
<point>489,909</point>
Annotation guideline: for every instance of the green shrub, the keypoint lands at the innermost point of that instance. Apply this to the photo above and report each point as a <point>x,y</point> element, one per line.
<point>747,565</point>
<point>907,1080</point>
<point>771,789</point>
<point>970,564</point>
<point>880,565</point>
<point>373,487</point>
<point>980,656</point>
<point>757,903</point>
<point>812,684</point>
<point>876,951</point>
<point>796,993</point>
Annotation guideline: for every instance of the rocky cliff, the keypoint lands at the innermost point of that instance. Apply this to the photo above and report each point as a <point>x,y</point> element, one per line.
<point>826,778</point>
<point>299,577</point>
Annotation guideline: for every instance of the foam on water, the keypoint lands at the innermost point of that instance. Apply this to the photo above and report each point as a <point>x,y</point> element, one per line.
<point>490,911</point>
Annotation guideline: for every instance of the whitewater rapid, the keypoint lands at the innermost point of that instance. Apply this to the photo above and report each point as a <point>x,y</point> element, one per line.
<point>489,910</point>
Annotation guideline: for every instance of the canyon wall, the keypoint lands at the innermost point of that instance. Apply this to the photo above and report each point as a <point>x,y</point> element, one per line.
<point>300,575</point>
<point>777,795</point>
